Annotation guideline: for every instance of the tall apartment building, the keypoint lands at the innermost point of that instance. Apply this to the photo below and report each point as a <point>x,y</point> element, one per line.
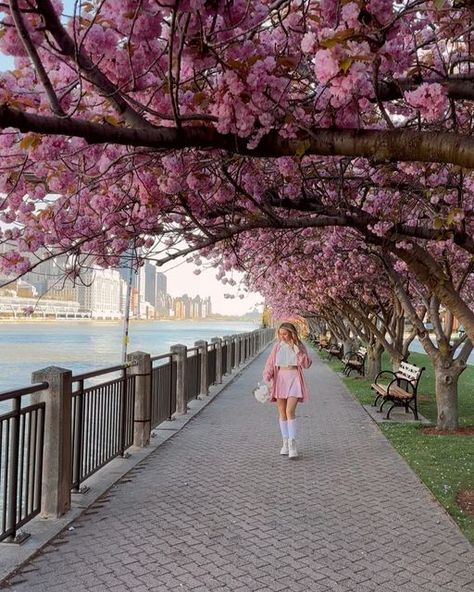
<point>206,307</point>
<point>48,275</point>
<point>185,307</point>
<point>161,282</point>
<point>149,272</point>
<point>99,293</point>
<point>148,290</point>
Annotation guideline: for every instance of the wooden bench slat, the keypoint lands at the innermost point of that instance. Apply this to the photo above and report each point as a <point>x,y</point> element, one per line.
<point>379,388</point>
<point>399,393</point>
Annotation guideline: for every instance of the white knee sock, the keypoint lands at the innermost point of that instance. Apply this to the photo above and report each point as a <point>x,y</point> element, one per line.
<point>284,428</point>
<point>292,429</point>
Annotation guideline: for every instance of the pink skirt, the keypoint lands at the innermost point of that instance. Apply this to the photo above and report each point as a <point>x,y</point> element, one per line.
<point>288,384</point>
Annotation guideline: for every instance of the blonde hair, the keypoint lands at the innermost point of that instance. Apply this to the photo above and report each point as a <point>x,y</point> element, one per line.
<point>291,329</point>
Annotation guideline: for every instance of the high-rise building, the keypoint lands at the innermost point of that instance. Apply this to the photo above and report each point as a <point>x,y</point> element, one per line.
<point>100,293</point>
<point>150,283</point>
<point>196,308</point>
<point>47,275</point>
<point>206,307</point>
<point>185,307</point>
<point>161,282</point>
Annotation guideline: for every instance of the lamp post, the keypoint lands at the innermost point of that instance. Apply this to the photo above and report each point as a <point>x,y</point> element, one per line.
<point>126,316</point>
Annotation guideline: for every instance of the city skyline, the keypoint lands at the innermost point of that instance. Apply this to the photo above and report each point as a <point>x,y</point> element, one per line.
<point>181,279</point>
<point>158,287</point>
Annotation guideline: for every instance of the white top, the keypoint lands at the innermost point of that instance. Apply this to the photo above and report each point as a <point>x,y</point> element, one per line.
<point>286,355</point>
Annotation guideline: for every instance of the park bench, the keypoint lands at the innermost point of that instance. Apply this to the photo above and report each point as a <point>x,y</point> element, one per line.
<point>355,360</point>
<point>323,343</point>
<point>401,389</point>
<point>336,351</point>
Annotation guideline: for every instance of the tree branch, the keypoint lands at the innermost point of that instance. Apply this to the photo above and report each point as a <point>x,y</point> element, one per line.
<point>89,70</point>
<point>34,57</point>
<point>382,145</point>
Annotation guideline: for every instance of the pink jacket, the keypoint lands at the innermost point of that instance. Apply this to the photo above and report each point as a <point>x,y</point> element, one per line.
<point>270,372</point>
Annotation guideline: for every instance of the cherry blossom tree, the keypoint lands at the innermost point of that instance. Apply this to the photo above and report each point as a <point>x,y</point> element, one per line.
<point>188,122</point>
<point>121,106</point>
<point>335,275</point>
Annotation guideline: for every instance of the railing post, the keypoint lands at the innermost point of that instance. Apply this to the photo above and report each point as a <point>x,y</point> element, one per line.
<point>237,350</point>
<point>218,342</point>
<point>180,353</point>
<point>203,388</point>
<point>141,369</point>
<point>228,342</point>
<point>57,470</point>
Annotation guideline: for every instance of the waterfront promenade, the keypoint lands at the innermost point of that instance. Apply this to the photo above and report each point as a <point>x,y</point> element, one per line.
<point>215,508</point>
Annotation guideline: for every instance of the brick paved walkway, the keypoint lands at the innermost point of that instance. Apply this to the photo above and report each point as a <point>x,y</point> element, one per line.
<point>217,509</point>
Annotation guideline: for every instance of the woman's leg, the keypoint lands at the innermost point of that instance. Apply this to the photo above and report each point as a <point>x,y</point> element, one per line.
<point>291,419</point>
<point>281,404</point>
<point>291,404</point>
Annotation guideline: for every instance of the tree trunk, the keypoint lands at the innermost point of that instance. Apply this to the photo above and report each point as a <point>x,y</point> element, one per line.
<point>348,346</point>
<point>374,360</point>
<point>396,361</point>
<point>446,380</point>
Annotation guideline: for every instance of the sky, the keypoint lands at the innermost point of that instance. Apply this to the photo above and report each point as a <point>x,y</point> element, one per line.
<point>181,277</point>
<point>182,280</point>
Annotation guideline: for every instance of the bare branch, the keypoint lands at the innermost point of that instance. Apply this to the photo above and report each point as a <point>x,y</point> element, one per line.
<point>88,69</point>
<point>38,64</point>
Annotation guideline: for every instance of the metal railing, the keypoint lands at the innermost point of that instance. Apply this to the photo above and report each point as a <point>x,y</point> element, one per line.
<point>193,373</point>
<point>163,389</point>
<point>211,364</point>
<point>21,461</point>
<point>225,369</point>
<point>102,421</point>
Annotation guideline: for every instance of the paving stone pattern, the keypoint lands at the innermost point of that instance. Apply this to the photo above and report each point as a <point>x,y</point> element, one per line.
<point>217,509</point>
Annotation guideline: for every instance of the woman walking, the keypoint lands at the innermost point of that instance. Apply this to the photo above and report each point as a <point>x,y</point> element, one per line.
<point>284,369</point>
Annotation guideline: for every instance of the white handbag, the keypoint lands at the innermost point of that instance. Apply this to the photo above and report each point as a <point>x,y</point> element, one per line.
<point>262,393</point>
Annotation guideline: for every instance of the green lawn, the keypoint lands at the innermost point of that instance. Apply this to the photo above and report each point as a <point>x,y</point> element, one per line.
<point>444,463</point>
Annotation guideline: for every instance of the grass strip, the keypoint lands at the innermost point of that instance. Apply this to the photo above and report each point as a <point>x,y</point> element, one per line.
<point>445,464</point>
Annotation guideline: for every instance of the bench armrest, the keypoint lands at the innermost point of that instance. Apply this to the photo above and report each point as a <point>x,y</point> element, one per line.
<point>394,381</point>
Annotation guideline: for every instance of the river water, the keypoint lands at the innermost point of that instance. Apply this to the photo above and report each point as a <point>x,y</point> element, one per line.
<point>87,345</point>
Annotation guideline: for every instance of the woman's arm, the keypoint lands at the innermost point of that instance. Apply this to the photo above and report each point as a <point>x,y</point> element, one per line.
<point>302,356</point>
<point>269,370</point>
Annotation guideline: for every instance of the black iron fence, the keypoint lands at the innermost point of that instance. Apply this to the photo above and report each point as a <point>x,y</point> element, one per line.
<point>211,364</point>
<point>21,461</point>
<point>163,389</point>
<point>193,373</point>
<point>102,421</point>
<point>102,418</point>
<point>225,366</point>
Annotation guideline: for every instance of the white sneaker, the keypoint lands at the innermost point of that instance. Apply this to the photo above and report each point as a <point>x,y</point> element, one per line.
<point>292,452</point>
<point>284,448</point>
